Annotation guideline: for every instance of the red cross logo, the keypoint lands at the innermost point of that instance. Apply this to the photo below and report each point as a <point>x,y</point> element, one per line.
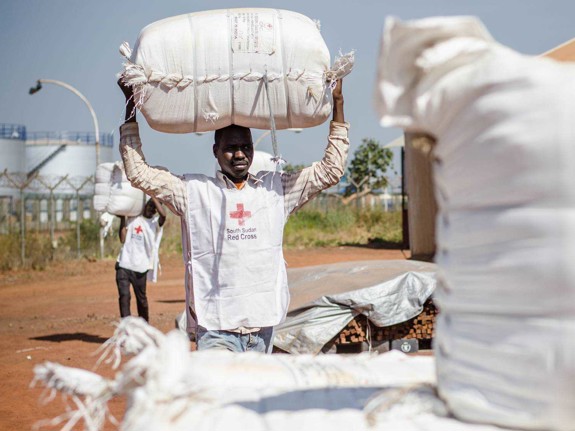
<point>139,229</point>
<point>240,214</point>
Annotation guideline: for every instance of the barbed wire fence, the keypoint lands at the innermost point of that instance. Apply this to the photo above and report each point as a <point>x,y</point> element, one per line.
<point>44,203</point>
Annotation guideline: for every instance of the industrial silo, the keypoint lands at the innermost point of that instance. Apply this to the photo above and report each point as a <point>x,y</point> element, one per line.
<point>12,161</point>
<point>53,155</point>
<point>12,149</point>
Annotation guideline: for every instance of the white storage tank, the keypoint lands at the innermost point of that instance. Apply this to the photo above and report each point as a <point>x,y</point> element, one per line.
<point>56,154</point>
<point>12,154</point>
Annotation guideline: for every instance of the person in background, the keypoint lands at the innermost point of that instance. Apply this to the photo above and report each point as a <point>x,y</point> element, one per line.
<point>140,237</point>
<point>232,228</point>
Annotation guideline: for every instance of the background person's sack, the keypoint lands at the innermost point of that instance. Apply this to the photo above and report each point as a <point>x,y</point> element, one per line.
<point>205,70</point>
<point>114,193</point>
<point>262,161</point>
<point>503,175</point>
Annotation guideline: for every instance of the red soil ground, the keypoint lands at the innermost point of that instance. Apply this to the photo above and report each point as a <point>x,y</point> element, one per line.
<point>65,313</point>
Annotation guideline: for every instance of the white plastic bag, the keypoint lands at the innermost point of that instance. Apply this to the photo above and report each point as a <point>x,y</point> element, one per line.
<point>206,70</point>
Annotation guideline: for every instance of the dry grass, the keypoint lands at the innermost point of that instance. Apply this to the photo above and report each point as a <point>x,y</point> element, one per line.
<point>306,228</point>
<point>342,226</point>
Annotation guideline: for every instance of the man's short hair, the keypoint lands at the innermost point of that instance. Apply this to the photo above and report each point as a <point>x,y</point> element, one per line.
<point>233,128</point>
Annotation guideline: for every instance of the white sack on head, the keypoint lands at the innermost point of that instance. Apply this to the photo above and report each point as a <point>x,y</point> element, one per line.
<point>114,193</point>
<point>503,175</point>
<point>205,70</point>
<point>102,186</point>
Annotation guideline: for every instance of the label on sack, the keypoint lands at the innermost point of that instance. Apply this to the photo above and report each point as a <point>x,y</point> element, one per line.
<point>253,32</point>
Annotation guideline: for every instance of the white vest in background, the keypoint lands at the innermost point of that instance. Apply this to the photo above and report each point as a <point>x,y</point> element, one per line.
<point>137,253</point>
<point>237,266</point>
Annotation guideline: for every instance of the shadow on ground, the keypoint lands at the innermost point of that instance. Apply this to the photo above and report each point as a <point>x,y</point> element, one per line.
<point>378,243</point>
<point>76,336</point>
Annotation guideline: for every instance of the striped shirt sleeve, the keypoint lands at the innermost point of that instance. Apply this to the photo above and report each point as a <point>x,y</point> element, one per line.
<point>299,187</point>
<point>155,181</point>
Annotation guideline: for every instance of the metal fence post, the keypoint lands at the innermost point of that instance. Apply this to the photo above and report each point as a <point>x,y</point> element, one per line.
<point>79,213</point>
<point>22,227</point>
<point>51,205</point>
<point>21,186</point>
<point>2,211</point>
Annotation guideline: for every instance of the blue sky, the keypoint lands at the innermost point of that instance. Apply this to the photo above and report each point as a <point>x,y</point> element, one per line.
<point>76,41</point>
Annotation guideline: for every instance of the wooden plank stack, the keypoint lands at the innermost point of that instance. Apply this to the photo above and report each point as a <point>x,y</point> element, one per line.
<point>360,329</point>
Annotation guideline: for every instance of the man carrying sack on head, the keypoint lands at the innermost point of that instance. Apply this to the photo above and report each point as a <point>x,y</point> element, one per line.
<point>138,259</point>
<point>232,229</point>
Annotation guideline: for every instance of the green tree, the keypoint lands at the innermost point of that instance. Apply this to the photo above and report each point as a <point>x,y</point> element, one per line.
<point>367,170</point>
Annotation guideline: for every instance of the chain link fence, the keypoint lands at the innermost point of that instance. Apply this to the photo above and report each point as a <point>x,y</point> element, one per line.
<point>49,206</point>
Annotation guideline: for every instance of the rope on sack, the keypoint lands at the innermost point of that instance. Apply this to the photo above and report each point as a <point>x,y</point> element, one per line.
<point>135,75</point>
<point>341,67</point>
<point>88,391</point>
<point>276,158</point>
<point>132,336</point>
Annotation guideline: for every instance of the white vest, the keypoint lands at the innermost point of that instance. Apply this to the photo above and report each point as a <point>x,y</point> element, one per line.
<point>137,253</point>
<point>237,267</point>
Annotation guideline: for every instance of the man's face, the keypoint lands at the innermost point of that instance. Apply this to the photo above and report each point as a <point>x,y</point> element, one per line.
<point>235,152</point>
<point>149,209</point>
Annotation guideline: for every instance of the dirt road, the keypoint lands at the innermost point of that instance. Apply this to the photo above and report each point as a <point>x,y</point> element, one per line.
<point>65,313</point>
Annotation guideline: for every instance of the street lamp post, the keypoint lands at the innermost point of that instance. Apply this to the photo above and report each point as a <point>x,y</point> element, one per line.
<point>267,132</point>
<point>38,87</point>
<point>81,96</point>
<point>263,135</point>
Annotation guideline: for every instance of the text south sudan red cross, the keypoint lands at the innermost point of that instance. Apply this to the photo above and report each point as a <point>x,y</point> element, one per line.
<point>240,214</point>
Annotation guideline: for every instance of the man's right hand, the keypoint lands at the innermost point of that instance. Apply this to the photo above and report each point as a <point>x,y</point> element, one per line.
<point>128,92</point>
<point>130,105</point>
<point>337,94</point>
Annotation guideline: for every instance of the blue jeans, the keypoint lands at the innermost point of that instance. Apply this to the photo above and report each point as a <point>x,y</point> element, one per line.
<point>260,341</point>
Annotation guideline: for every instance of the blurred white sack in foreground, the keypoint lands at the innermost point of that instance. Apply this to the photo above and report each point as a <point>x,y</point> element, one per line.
<point>503,177</point>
